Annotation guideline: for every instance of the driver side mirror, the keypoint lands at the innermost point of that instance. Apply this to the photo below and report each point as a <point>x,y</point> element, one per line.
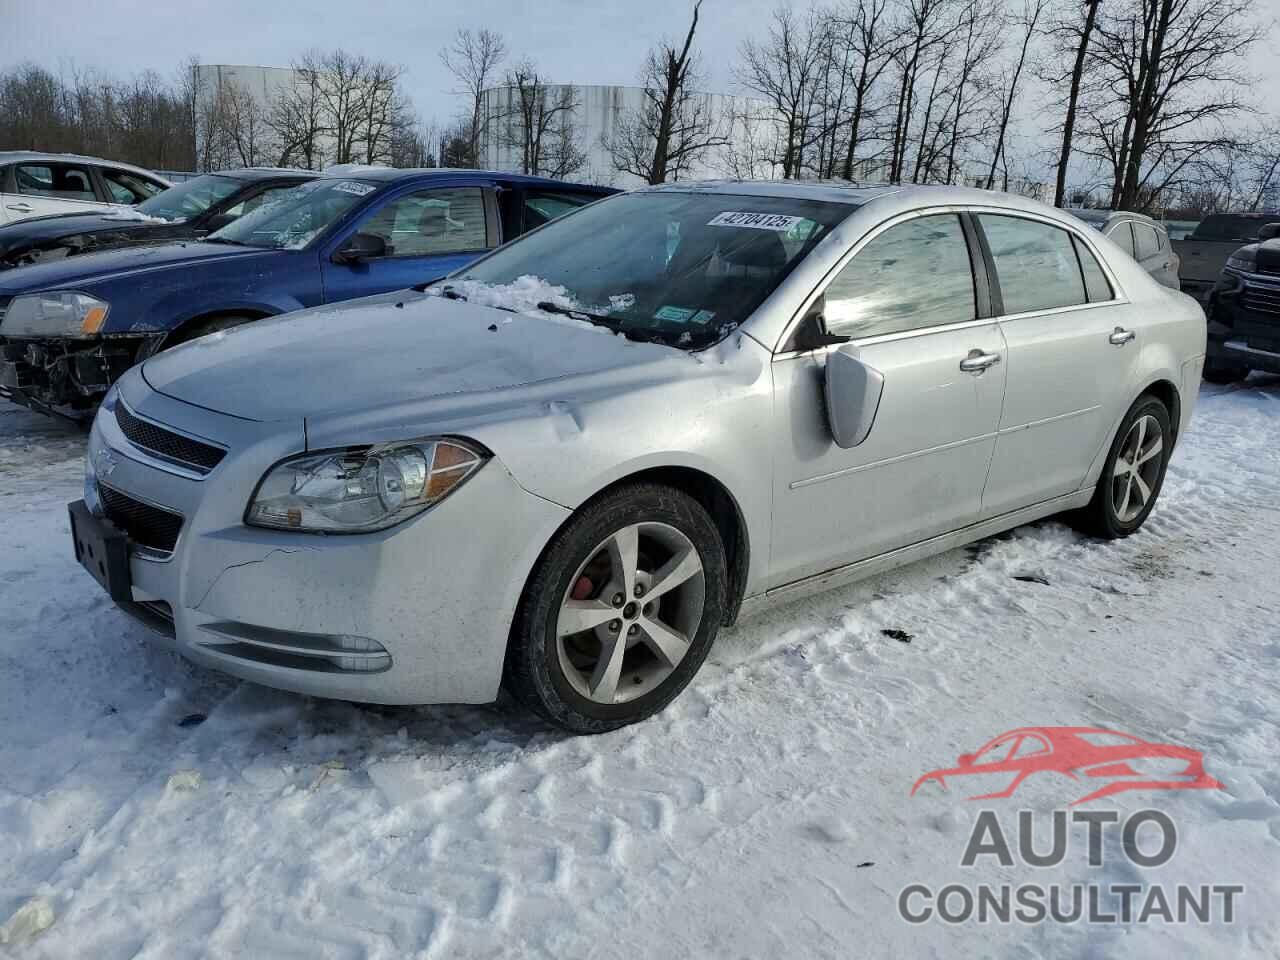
<point>853,390</point>
<point>1269,232</point>
<point>359,248</point>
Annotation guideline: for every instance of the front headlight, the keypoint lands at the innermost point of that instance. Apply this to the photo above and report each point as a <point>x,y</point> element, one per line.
<point>1246,261</point>
<point>56,314</point>
<point>361,489</point>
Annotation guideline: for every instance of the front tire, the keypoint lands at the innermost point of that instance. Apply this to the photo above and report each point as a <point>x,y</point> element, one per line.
<point>1133,473</point>
<point>620,611</point>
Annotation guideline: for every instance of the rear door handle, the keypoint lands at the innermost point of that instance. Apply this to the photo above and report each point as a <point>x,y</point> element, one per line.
<point>978,362</point>
<point>1121,336</point>
<point>20,207</point>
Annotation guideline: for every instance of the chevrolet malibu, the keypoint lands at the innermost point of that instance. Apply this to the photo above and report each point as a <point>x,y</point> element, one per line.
<point>564,467</point>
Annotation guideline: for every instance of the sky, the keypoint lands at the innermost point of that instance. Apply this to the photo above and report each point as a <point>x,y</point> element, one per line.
<point>573,41</point>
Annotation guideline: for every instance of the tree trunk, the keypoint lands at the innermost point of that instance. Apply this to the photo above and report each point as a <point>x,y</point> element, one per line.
<point>1069,126</point>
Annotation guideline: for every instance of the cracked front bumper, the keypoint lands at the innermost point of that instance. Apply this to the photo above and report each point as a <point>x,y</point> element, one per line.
<point>419,613</point>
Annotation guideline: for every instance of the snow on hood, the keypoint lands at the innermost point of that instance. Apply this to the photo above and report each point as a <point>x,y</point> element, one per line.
<point>385,350</point>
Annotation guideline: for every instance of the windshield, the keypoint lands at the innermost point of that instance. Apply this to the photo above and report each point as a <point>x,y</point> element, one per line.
<point>297,217</point>
<point>682,268</point>
<point>186,200</point>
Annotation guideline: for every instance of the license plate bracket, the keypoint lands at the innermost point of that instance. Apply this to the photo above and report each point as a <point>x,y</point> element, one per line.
<point>102,550</point>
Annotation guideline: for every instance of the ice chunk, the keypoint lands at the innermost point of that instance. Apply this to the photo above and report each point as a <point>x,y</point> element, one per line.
<point>29,921</point>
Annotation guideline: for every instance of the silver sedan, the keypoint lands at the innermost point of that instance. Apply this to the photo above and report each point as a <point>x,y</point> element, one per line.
<point>564,468</point>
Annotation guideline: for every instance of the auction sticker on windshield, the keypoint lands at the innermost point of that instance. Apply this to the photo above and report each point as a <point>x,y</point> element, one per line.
<point>755,221</point>
<point>352,186</point>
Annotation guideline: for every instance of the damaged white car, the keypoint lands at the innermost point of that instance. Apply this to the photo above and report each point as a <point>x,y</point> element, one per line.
<point>563,469</point>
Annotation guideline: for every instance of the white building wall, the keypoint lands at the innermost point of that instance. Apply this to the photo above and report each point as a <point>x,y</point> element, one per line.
<point>596,119</point>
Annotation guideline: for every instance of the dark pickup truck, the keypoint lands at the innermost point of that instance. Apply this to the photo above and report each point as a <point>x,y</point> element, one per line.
<point>1244,312</point>
<point>1205,252</point>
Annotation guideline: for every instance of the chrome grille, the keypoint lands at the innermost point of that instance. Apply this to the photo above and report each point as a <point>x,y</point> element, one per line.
<point>165,444</point>
<point>145,525</point>
<point>1261,299</point>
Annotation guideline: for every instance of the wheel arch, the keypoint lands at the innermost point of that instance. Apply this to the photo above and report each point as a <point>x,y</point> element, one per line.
<point>715,498</point>
<point>1163,389</point>
<point>1167,393</point>
<point>183,330</point>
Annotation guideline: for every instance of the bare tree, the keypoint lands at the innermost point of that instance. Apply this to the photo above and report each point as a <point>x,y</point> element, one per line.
<point>473,59</point>
<point>245,125</point>
<point>296,118</point>
<point>1077,32</point>
<point>1172,78</point>
<point>674,126</point>
<point>871,42</point>
<point>784,70</point>
<point>539,122</point>
<point>1028,22</point>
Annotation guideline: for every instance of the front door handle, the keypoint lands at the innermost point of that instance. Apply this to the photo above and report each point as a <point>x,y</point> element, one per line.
<point>978,362</point>
<point>20,207</point>
<point>1121,336</point>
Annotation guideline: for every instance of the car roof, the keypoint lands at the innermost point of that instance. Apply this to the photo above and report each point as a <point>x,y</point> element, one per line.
<point>265,173</point>
<point>19,156</point>
<point>391,174</point>
<point>830,191</point>
<point>1104,216</point>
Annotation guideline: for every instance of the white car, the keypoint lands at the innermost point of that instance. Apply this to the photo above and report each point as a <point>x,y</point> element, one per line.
<point>40,184</point>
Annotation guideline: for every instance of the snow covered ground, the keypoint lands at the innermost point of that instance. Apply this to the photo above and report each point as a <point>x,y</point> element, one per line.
<point>765,814</point>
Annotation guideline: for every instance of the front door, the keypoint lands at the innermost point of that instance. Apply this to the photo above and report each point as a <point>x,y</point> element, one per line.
<point>908,301</point>
<point>428,233</point>
<point>1071,353</point>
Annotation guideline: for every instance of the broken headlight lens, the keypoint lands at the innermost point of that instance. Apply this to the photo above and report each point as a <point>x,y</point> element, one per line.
<point>362,489</point>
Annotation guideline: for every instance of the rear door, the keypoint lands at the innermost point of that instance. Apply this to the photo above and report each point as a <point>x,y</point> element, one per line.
<point>428,233</point>
<point>908,299</point>
<point>37,188</point>
<point>1071,350</point>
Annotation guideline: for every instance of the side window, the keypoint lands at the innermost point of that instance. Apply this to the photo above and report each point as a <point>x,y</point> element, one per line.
<point>1035,262</point>
<point>431,222</point>
<point>997,752</point>
<point>913,275</point>
<point>126,187</point>
<point>252,203</point>
<point>1122,234</point>
<point>1162,238</point>
<point>1095,281</point>
<point>62,181</point>
<point>540,208</point>
<point>1029,746</point>
<point>1146,243</point>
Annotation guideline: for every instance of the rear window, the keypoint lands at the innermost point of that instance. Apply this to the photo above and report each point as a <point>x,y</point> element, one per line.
<point>1035,262</point>
<point>1225,226</point>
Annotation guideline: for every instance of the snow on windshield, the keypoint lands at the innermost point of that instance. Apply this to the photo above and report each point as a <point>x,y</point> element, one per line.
<point>523,295</point>
<point>133,214</point>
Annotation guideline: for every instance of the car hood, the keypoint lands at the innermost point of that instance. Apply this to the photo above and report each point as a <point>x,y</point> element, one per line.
<point>385,351</point>
<point>76,273</point>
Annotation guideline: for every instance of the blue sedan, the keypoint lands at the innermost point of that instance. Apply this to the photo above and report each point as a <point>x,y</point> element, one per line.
<point>70,328</point>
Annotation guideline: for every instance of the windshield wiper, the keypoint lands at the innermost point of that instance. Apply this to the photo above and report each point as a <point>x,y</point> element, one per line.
<point>227,240</point>
<point>596,318</point>
<point>640,336</point>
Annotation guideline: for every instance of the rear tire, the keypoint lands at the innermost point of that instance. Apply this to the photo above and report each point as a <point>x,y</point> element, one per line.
<point>620,611</point>
<point>1223,371</point>
<point>1133,473</point>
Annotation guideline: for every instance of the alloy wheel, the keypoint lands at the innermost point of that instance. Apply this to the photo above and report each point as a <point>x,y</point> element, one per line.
<point>1137,468</point>
<point>630,612</point>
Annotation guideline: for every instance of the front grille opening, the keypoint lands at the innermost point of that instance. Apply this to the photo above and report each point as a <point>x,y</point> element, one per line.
<point>165,444</point>
<point>145,525</point>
